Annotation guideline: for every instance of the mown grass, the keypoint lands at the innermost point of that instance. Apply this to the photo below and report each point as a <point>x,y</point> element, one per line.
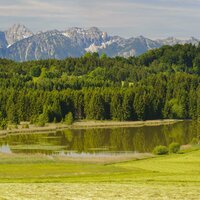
<point>82,191</point>
<point>175,176</point>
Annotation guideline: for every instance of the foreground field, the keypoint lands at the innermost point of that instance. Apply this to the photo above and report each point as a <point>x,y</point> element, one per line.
<point>81,191</point>
<point>43,177</point>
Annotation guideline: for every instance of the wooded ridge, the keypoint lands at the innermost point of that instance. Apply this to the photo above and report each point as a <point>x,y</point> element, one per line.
<point>160,84</point>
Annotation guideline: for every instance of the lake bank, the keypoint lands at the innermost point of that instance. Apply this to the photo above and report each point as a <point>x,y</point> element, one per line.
<point>53,127</point>
<point>110,124</point>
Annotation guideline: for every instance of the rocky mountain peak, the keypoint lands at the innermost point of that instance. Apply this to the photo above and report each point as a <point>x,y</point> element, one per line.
<point>20,44</point>
<point>17,32</point>
<point>86,37</point>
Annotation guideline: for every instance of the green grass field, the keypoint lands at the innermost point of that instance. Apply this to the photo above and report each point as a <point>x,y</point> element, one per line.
<point>41,177</point>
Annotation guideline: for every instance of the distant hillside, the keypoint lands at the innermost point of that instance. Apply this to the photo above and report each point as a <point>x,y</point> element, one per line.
<point>159,84</point>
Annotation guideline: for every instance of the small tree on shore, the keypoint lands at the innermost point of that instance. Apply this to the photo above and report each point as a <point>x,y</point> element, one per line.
<point>69,119</point>
<point>3,122</point>
<point>42,120</point>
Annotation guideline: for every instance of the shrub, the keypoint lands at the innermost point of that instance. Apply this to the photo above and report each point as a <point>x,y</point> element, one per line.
<point>174,147</point>
<point>33,119</point>
<point>25,126</point>
<point>69,119</point>
<point>41,120</point>
<point>3,124</point>
<point>54,120</point>
<point>160,150</point>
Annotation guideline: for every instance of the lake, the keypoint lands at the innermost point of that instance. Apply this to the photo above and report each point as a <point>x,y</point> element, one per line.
<point>101,140</point>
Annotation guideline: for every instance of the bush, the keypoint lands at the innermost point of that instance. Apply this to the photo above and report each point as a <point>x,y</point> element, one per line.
<point>174,147</point>
<point>194,141</point>
<point>41,120</point>
<point>25,126</point>
<point>54,120</point>
<point>33,119</point>
<point>3,124</point>
<point>40,124</point>
<point>69,119</point>
<point>160,150</point>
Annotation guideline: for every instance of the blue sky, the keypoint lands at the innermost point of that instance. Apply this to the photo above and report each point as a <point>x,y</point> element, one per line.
<point>151,18</point>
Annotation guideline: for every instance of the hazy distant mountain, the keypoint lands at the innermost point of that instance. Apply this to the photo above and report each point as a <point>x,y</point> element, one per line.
<point>3,41</point>
<point>172,41</point>
<point>51,44</point>
<point>20,44</point>
<point>16,33</point>
<point>125,47</point>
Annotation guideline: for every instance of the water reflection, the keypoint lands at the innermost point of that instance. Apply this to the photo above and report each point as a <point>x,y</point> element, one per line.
<point>109,140</point>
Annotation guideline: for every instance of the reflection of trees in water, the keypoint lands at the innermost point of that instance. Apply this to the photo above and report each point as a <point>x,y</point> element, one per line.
<point>141,139</point>
<point>78,143</point>
<point>116,138</point>
<point>127,138</point>
<point>181,132</point>
<point>95,138</point>
<point>174,133</point>
<point>22,139</point>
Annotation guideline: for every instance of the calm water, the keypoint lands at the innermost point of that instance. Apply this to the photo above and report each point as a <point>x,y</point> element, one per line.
<point>97,141</point>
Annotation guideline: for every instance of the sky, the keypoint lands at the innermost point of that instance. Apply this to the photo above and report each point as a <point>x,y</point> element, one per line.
<point>127,18</point>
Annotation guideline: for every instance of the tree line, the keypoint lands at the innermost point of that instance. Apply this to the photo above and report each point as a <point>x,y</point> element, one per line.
<point>162,83</point>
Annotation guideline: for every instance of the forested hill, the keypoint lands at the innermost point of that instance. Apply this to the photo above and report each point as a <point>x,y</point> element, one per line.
<point>162,83</point>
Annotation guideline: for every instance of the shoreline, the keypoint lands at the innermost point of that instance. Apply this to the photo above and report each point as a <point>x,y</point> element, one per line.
<point>118,124</point>
<point>53,127</point>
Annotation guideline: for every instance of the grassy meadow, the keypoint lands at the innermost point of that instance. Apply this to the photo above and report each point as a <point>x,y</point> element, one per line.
<point>175,176</point>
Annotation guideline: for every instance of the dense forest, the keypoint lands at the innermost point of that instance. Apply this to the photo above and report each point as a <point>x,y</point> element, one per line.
<point>162,83</point>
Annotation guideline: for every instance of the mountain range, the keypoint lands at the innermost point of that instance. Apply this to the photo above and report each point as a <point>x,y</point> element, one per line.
<point>20,44</point>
